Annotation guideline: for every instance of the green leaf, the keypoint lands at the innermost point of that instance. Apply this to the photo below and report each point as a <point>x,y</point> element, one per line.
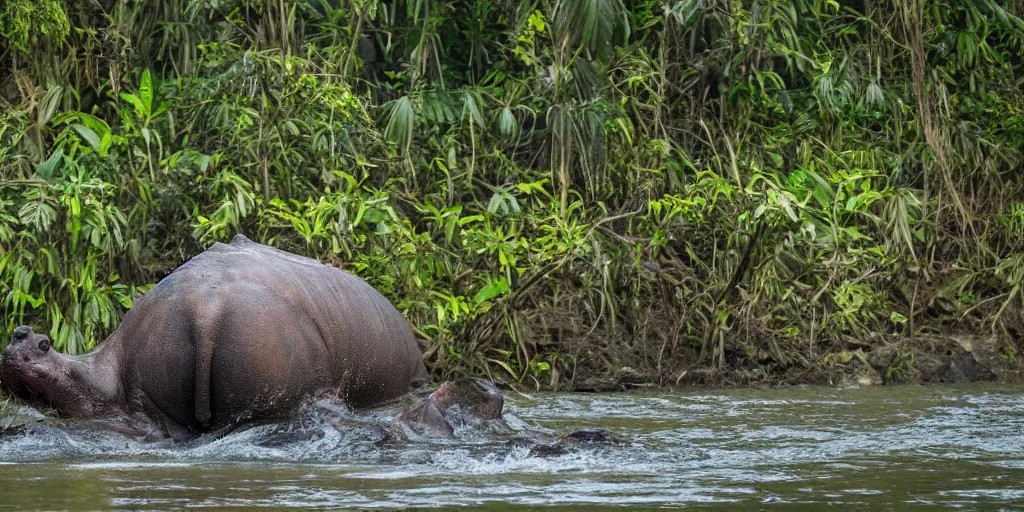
<point>140,109</point>
<point>538,186</point>
<point>146,95</point>
<point>492,290</point>
<point>47,168</point>
<point>469,219</point>
<point>471,101</point>
<point>536,21</point>
<point>401,121</point>
<point>89,136</point>
<point>507,125</point>
<point>495,202</point>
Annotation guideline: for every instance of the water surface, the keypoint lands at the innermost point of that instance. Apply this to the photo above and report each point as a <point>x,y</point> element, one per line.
<point>886,448</point>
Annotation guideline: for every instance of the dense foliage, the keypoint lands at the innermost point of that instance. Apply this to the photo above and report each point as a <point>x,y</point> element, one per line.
<point>547,189</point>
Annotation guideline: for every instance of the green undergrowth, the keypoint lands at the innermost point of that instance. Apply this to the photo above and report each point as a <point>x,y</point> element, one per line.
<point>752,191</point>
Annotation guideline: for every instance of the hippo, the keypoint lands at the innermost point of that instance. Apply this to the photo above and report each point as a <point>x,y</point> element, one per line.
<point>240,333</point>
<point>476,403</point>
<point>452,404</point>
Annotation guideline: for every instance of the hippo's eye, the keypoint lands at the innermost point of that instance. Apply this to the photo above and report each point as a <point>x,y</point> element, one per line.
<point>44,344</point>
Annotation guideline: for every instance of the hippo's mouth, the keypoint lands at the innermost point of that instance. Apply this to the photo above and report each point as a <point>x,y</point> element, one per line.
<point>22,382</point>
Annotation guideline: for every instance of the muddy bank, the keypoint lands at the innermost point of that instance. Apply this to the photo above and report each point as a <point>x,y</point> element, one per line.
<point>948,359</point>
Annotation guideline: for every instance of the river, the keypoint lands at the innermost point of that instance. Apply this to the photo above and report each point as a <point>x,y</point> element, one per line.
<point>876,448</point>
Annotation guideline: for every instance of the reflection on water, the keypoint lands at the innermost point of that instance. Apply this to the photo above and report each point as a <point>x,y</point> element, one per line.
<point>876,448</point>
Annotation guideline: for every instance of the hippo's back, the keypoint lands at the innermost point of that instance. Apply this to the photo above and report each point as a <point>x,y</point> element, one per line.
<point>246,331</point>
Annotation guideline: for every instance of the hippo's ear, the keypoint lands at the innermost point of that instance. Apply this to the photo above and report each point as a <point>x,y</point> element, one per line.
<point>21,332</point>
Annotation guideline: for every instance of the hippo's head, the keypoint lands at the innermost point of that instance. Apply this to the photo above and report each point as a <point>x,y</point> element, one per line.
<point>461,402</point>
<point>31,371</point>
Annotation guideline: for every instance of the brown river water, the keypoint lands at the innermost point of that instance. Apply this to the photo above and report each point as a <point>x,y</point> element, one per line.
<point>883,448</point>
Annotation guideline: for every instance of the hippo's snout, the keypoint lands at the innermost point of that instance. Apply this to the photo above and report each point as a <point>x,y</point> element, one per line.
<point>8,350</point>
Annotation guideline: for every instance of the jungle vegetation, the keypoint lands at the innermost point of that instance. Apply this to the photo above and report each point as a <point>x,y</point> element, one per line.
<point>549,189</point>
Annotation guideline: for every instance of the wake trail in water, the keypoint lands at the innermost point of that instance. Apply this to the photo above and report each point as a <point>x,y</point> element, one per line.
<point>326,434</point>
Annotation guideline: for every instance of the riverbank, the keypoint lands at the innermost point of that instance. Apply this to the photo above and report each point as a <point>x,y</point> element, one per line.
<point>950,359</point>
